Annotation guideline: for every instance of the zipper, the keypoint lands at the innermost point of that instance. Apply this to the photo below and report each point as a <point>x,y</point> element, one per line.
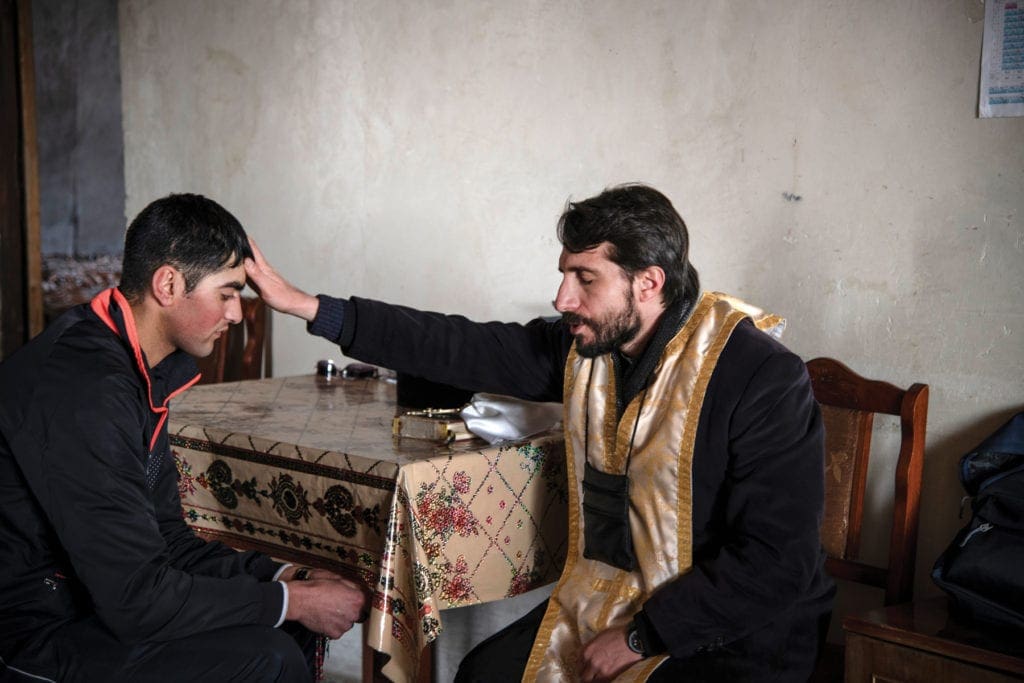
<point>980,530</point>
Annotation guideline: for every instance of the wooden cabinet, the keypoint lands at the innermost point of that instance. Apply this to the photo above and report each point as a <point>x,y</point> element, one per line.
<point>922,643</point>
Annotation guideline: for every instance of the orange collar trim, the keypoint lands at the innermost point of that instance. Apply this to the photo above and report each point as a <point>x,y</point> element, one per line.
<point>100,305</point>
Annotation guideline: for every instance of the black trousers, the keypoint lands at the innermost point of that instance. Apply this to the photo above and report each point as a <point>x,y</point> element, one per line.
<point>762,656</point>
<point>86,652</point>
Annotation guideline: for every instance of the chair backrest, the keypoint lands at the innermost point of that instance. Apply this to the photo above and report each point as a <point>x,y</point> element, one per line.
<point>849,403</point>
<point>243,352</point>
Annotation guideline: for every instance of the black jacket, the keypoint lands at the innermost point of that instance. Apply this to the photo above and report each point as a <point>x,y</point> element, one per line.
<point>758,481</point>
<point>91,522</point>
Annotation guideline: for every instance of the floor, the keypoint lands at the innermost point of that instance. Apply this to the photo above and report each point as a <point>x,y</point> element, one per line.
<point>343,663</point>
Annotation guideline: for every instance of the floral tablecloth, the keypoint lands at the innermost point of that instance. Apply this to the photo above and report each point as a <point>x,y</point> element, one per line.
<point>308,470</point>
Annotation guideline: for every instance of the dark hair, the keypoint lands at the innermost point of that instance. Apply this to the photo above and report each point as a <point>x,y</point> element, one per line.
<point>194,234</point>
<point>643,229</point>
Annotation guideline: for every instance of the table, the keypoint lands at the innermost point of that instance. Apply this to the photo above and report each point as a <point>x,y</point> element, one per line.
<point>922,642</point>
<point>307,470</point>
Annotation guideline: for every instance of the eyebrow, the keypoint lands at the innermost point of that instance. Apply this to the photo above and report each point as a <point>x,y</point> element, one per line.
<point>577,269</point>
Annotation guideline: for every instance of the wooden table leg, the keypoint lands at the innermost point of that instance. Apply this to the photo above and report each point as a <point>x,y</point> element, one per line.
<point>425,674</point>
<point>370,672</point>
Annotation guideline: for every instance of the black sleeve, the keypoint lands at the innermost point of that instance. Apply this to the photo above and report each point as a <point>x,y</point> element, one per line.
<point>92,485</point>
<point>771,498</point>
<point>525,361</point>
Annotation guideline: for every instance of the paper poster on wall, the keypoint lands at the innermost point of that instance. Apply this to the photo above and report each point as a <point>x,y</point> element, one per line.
<point>1002,60</point>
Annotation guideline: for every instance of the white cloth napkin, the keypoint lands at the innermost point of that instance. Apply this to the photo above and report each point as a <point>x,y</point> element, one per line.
<point>503,418</point>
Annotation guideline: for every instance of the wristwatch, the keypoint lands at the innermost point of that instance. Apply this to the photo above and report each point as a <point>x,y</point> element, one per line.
<point>633,640</point>
<point>302,574</point>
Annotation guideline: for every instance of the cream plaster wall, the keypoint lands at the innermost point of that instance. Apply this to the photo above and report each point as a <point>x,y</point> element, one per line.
<point>826,156</point>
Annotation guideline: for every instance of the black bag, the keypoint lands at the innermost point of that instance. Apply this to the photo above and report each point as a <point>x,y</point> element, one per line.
<point>983,568</point>
<point>606,532</point>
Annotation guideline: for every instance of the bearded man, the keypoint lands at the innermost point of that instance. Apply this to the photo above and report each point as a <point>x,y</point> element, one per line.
<point>694,454</point>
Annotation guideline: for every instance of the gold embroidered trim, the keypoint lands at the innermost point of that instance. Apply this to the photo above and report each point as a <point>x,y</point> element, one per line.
<point>610,460</point>
<point>547,625</point>
<point>768,322</point>
<point>614,587</point>
<point>650,664</point>
<point>570,460</point>
<point>685,496</point>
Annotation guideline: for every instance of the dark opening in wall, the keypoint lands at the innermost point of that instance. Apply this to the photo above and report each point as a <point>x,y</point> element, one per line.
<point>69,280</point>
<point>81,148</point>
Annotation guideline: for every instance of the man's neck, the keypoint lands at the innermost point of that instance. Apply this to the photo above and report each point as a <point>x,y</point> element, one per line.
<point>149,328</point>
<point>635,347</point>
<point>633,371</point>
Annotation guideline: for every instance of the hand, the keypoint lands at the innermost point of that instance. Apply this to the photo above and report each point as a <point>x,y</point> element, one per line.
<point>606,656</point>
<point>279,294</point>
<point>328,606</point>
<point>314,573</point>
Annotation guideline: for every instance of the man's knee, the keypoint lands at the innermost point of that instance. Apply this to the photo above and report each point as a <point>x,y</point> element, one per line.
<point>276,657</point>
<point>477,667</point>
<point>502,658</point>
<point>256,654</point>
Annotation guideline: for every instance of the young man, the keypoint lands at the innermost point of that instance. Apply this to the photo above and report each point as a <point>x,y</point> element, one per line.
<point>100,577</point>
<point>694,452</point>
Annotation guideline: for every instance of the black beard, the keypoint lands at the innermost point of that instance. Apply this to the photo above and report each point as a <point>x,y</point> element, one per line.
<point>608,337</point>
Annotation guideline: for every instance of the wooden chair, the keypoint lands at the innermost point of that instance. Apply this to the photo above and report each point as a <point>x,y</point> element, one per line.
<point>849,403</point>
<point>243,352</point>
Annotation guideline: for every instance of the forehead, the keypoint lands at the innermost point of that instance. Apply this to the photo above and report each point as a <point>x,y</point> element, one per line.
<point>233,277</point>
<point>594,260</point>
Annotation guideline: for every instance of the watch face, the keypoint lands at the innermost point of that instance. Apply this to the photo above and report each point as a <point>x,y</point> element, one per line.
<point>633,641</point>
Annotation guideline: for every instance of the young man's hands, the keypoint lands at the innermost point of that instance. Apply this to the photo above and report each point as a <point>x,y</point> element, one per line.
<point>326,602</point>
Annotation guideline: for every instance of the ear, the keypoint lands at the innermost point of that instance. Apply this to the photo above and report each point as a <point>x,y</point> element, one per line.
<point>649,282</point>
<point>166,284</point>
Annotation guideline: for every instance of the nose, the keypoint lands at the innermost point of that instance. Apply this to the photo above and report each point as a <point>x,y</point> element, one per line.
<point>566,301</point>
<point>234,311</point>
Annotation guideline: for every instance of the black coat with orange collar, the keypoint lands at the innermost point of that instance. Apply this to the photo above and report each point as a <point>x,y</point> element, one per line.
<point>91,522</point>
